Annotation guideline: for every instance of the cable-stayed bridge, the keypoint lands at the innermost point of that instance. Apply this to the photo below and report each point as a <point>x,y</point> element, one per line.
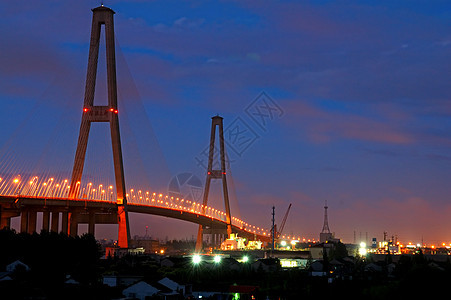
<point>66,202</point>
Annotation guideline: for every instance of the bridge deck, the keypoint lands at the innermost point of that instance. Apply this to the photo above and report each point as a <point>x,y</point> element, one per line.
<point>13,205</point>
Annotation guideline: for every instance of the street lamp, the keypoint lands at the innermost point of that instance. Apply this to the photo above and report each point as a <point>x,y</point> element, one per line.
<point>362,249</point>
<point>17,182</point>
<point>197,259</point>
<point>217,259</point>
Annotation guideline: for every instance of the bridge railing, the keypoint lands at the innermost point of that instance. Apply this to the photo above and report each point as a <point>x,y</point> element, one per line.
<point>152,199</point>
<point>53,187</point>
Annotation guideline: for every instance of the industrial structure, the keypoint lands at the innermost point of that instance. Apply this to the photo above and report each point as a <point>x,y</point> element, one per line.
<point>325,234</point>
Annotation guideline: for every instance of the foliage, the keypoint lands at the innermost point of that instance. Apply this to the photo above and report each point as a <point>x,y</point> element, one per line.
<point>52,258</point>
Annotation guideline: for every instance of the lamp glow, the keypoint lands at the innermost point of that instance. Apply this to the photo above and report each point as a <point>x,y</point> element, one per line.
<point>196,259</point>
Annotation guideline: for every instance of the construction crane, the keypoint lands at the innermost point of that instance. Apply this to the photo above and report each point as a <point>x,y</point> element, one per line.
<point>278,233</point>
<point>275,235</point>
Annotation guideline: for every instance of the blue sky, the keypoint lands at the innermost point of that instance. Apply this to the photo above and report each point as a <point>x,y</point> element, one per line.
<point>362,89</point>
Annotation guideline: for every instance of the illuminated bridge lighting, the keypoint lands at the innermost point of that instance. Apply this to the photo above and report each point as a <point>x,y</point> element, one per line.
<point>59,188</point>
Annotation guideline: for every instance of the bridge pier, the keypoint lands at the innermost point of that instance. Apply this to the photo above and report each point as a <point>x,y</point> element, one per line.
<point>5,222</point>
<point>32,217</point>
<point>219,238</point>
<point>73,224</point>
<point>45,220</point>
<point>5,217</point>
<point>217,235</point>
<point>55,221</point>
<point>56,212</point>
<point>28,220</point>
<point>23,221</point>
<point>91,223</point>
<point>65,222</point>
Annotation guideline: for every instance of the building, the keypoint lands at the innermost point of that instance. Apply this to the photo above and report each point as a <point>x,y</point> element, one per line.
<point>120,280</point>
<point>14,266</point>
<point>149,245</point>
<point>140,290</point>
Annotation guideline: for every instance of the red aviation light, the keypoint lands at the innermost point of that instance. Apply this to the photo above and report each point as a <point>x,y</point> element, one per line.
<point>111,109</point>
<point>85,109</point>
<point>115,111</point>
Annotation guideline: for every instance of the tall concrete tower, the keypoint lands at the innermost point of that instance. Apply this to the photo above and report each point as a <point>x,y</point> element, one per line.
<point>325,234</point>
<point>216,174</point>
<point>94,113</point>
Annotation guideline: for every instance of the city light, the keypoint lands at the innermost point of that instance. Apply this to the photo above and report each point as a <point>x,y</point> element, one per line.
<point>245,259</point>
<point>362,250</point>
<point>217,259</point>
<point>196,259</point>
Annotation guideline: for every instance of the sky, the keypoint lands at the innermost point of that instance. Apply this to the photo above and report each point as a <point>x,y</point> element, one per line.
<point>340,101</point>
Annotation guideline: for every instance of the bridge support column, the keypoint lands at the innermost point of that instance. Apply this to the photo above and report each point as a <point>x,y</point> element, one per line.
<point>65,222</point>
<point>73,224</point>
<point>5,222</point>
<point>92,223</point>
<point>96,113</point>
<point>55,221</point>
<point>216,174</point>
<point>5,219</point>
<point>123,231</point>
<point>46,220</point>
<point>32,217</point>
<point>24,221</point>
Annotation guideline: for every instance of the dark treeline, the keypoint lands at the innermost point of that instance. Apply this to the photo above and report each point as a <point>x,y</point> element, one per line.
<point>56,255</point>
<point>54,258</point>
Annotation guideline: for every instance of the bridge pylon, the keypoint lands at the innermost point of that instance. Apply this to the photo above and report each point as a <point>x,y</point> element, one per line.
<point>215,174</point>
<point>94,113</point>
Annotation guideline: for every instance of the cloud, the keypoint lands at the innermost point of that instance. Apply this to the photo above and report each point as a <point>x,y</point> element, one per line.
<point>321,125</point>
